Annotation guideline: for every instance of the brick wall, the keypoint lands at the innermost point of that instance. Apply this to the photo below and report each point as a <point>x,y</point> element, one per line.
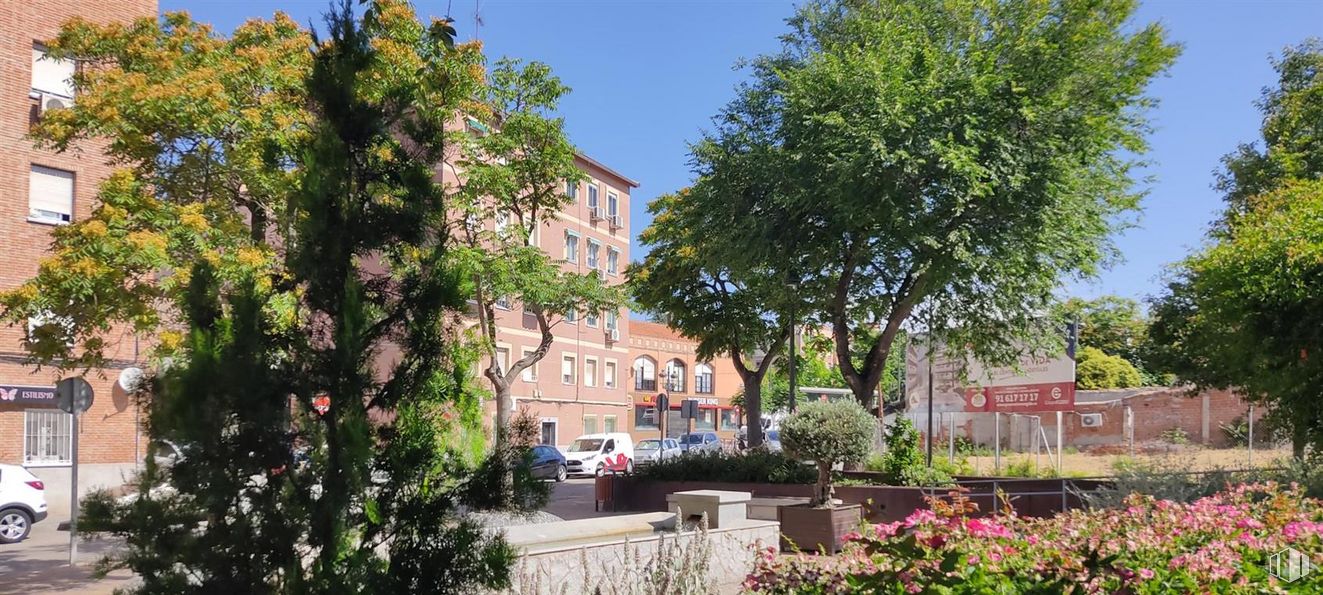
<point>108,434</point>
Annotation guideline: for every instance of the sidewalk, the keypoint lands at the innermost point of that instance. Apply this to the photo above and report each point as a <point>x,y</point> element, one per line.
<point>40,564</point>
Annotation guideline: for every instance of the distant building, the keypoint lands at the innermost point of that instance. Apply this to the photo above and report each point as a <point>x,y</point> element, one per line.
<point>662,361</point>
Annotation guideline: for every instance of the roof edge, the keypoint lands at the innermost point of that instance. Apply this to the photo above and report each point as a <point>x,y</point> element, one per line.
<point>622,177</point>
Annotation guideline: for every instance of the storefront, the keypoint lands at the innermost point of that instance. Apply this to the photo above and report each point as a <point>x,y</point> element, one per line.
<point>713,416</point>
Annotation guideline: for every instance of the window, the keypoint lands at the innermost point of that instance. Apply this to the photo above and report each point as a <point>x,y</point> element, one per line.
<point>608,423</point>
<point>47,326</point>
<point>50,75</point>
<point>645,374</point>
<point>609,374</point>
<point>50,195</point>
<point>502,223</point>
<point>592,196</point>
<point>675,376</point>
<point>529,373</point>
<point>567,369</point>
<point>703,379</point>
<point>590,371</point>
<point>590,319</point>
<point>612,261</point>
<point>571,189</point>
<point>533,235</point>
<point>611,323</point>
<point>707,419</point>
<point>572,317</point>
<point>645,417</point>
<point>729,421</point>
<point>503,302</point>
<point>47,437</point>
<point>503,358</point>
<point>572,247</point>
<point>590,424</point>
<point>549,432</point>
<point>612,204</point>
<point>594,249</point>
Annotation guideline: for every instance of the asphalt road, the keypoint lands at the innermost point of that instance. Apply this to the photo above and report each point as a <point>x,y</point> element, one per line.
<point>40,564</point>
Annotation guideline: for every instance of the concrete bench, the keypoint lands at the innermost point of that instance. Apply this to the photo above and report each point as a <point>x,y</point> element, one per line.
<point>765,508</point>
<point>723,508</point>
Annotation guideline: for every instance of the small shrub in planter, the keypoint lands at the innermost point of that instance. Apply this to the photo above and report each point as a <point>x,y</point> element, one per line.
<point>826,433</point>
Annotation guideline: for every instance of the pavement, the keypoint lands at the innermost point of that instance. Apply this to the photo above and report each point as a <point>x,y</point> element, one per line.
<point>39,565</point>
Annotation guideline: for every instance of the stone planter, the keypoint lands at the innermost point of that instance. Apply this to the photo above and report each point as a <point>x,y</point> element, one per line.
<point>817,529</point>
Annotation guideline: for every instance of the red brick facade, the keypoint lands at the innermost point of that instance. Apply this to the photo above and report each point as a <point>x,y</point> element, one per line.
<point>109,432</point>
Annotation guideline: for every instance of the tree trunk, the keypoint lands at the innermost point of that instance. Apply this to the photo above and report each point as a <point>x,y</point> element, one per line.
<point>822,494</point>
<point>1299,441</point>
<point>753,409</point>
<point>503,408</point>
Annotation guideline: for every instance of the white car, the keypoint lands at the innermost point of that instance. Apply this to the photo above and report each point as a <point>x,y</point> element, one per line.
<point>652,450</point>
<point>22,503</point>
<point>599,454</point>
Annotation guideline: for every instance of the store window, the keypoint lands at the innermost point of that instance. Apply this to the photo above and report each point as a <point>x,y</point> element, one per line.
<point>729,420</point>
<point>645,417</point>
<point>707,419</point>
<point>47,437</point>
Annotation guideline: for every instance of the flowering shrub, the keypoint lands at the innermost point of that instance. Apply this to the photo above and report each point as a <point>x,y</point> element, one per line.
<point>1218,544</point>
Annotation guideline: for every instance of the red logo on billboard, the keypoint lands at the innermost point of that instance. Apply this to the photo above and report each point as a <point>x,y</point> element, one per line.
<point>1023,398</point>
<point>321,403</point>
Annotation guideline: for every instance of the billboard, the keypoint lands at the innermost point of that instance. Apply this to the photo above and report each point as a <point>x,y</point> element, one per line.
<point>1037,383</point>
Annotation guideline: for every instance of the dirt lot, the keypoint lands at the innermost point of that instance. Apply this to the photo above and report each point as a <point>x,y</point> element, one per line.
<point>1087,464</point>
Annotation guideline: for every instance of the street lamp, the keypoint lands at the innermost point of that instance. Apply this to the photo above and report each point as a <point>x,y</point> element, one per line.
<point>794,388</point>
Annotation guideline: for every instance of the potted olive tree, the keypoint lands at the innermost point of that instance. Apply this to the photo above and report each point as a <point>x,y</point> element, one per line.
<point>825,433</point>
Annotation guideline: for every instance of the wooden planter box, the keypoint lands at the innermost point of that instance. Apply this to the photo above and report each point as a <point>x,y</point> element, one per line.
<point>817,529</point>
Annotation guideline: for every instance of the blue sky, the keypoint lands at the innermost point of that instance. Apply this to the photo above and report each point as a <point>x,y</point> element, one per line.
<point>648,76</point>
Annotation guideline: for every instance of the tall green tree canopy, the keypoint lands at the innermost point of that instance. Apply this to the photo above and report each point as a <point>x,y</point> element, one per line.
<point>968,153</point>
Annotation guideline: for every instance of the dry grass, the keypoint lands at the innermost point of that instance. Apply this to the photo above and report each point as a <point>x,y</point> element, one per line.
<point>1087,465</point>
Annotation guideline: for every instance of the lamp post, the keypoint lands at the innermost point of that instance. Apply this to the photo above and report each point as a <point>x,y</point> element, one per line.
<point>794,384</point>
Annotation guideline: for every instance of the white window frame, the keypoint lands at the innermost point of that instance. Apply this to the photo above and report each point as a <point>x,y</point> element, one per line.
<point>612,320</point>
<point>593,193</point>
<point>614,424</point>
<point>594,259</point>
<point>571,363</point>
<point>530,373</point>
<point>503,357</point>
<point>555,429</point>
<point>612,261</point>
<point>610,367</point>
<point>590,319</point>
<point>572,190</point>
<point>41,212</point>
<point>62,445</point>
<point>589,371</point>
<point>699,369</point>
<point>503,302</point>
<point>571,247</point>
<point>43,64</point>
<point>572,317</point>
<point>612,204</point>
<point>586,418</point>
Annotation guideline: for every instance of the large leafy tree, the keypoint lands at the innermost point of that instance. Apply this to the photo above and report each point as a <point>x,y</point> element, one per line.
<point>280,490</point>
<point>511,176</point>
<point>968,154</point>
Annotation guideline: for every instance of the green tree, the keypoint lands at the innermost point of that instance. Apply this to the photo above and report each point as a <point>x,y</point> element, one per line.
<point>363,268</point>
<point>1095,369</point>
<point>828,432</point>
<point>968,154</point>
<point>1243,313</point>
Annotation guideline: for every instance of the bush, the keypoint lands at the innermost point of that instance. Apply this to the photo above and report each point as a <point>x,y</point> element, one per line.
<point>1097,370</point>
<point>904,462</point>
<point>1219,544</point>
<point>751,466</point>
<point>1266,433</point>
<point>828,433</point>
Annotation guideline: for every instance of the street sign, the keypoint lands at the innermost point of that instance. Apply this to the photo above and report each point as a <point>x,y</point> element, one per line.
<point>663,403</point>
<point>72,392</point>
<point>321,403</point>
<point>689,409</point>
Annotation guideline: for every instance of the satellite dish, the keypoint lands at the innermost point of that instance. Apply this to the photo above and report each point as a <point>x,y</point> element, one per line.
<point>130,379</point>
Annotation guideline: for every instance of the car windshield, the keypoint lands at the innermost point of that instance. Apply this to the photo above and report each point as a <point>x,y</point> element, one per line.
<point>648,445</point>
<point>774,436</point>
<point>586,445</point>
<point>691,439</point>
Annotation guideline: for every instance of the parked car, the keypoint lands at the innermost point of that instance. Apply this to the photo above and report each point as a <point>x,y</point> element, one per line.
<point>22,503</point>
<point>772,440</point>
<point>548,463</point>
<point>652,450</point>
<point>700,442</point>
<point>596,454</point>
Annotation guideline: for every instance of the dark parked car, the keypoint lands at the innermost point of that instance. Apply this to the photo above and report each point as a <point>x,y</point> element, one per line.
<point>548,463</point>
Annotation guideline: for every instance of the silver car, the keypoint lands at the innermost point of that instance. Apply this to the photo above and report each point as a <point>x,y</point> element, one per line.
<point>647,452</point>
<point>699,442</point>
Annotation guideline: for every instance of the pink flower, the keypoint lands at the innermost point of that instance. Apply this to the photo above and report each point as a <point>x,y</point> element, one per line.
<point>1146,574</point>
<point>921,516</point>
<point>973,559</point>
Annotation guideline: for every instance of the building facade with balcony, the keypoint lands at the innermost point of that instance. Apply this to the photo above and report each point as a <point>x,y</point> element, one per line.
<point>579,386</point>
<point>664,362</point>
<point>39,191</point>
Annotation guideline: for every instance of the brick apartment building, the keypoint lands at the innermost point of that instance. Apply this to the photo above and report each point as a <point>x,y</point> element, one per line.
<point>577,388</point>
<point>38,191</point>
<point>662,361</point>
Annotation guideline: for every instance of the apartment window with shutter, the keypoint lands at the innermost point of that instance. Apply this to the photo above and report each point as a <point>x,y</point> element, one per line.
<point>609,374</point>
<point>590,371</point>
<point>572,317</point>
<point>590,319</point>
<point>612,261</point>
<point>612,204</point>
<point>567,369</point>
<point>608,423</point>
<point>51,76</point>
<point>590,424</point>
<point>594,249</point>
<point>503,358</point>
<point>571,247</point>
<point>50,195</point>
<point>592,196</point>
<point>571,189</point>
<point>529,373</point>
<point>611,320</point>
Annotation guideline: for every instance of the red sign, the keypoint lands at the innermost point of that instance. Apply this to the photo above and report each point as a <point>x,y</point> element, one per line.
<point>1023,398</point>
<point>321,403</point>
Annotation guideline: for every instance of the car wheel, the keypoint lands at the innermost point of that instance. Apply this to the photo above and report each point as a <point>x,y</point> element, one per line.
<point>561,473</point>
<point>14,525</point>
<point>629,467</point>
<point>601,470</point>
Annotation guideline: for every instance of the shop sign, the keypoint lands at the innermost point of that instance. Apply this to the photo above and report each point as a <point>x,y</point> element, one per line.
<point>28,395</point>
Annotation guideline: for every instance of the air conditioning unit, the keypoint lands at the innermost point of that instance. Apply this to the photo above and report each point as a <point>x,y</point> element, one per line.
<point>615,222</point>
<point>613,334</point>
<point>596,214</point>
<point>50,101</point>
<point>1091,420</point>
<point>601,274</point>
